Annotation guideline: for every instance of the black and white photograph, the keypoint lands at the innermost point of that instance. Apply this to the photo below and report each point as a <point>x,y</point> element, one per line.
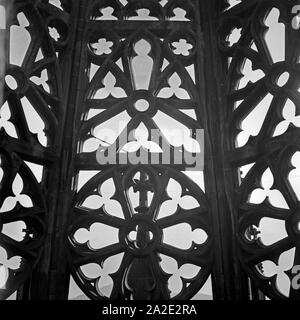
<point>149,152</point>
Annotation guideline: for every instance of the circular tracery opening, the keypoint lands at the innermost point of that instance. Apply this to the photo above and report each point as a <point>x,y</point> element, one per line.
<point>141,102</point>
<point>141,105</point>
<point>140,235</point>
<point>11,82</point>
<point>15,79</point>
<point>283,79</point>
<point>132,238</point>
